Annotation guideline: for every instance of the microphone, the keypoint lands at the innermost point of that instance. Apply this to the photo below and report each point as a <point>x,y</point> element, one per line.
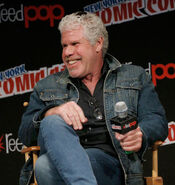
<point>123,122</point>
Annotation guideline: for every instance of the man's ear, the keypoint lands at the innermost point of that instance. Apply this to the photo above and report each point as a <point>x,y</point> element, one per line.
<point>99,44</point>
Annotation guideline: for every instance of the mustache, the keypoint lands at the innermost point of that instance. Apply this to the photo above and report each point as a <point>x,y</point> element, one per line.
<point>69,58</point>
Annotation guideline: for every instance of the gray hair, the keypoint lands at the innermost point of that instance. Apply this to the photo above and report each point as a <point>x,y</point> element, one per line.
<point>92,25</point>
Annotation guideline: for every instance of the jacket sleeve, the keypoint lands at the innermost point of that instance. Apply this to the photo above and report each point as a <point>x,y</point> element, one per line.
<point>31,119</point>
<point>151,114</point>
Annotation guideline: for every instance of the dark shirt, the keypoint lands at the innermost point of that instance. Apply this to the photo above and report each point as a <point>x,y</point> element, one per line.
<point>94,132</point>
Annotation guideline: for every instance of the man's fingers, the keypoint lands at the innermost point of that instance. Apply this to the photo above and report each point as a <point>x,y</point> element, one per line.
<point>131,146</point>
<point>72,114</point>
<point>80,113</point>
<point>119,136</point>
<point>131,141</point>
<point>75,121</point>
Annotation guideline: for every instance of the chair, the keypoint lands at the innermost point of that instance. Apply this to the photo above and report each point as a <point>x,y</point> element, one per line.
<point>34,151</point>
<point>153,180</point>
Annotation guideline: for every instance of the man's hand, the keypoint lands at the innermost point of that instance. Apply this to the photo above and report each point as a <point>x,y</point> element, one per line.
<point>71,113</point>
<point>131,141</point>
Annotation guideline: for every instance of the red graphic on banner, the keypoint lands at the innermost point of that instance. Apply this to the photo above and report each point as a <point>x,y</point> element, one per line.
<point>22,83</point>
<point>17,80</point>
<point>116,12</point>
<point>160,71</point>
<point>158,6</point>
<point>171,134</point>
<point>49,15</point>
<point>31,13</point>
<point>122,13</point>
<point>1,144</point>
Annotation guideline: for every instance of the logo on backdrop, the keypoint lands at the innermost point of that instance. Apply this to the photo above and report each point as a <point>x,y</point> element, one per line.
<point>18,80</point>
<point>10,144</point>
<point>110,11</point>
<point>171,134</point>
<point>28,14</point>
<point>161,71</point>
<point>119,11</point>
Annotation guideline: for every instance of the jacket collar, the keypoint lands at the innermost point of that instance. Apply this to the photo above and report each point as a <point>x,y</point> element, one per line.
<point>112,62</point>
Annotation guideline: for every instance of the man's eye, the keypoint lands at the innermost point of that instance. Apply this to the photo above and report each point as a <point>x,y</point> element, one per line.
<point>64,45</point>
<point>74,43</point>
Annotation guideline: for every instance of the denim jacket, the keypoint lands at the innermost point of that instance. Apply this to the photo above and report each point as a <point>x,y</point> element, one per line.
<point>127,83</point>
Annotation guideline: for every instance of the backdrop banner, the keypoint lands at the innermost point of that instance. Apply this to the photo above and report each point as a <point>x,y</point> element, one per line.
<point>141,32</point>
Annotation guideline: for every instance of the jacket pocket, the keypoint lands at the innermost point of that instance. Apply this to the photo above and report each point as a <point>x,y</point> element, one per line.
<point>128,91</point>
<point>135,179</point>
<point>54,96</point>
<point>133,83</point>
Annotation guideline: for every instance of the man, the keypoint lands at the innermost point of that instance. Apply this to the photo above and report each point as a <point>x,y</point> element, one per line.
<point>69,112</point>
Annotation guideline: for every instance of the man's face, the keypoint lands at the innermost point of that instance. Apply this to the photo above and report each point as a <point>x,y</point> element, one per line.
<point>79,56</point>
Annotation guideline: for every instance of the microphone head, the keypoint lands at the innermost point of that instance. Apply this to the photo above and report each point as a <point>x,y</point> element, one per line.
<point>121,109</point>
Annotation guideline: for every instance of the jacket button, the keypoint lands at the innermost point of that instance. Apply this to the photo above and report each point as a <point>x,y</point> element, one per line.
<point>89,128</point>
<point>131,85</point>
<point>86,140</point>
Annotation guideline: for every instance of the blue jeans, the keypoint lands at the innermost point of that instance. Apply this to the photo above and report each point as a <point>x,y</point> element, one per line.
<point>64,161</point>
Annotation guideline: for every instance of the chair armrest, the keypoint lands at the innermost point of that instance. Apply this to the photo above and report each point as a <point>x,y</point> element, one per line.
<point>155,158</point>
<point>30,149</point>
<point>156,145</point>
<point>154,179</point>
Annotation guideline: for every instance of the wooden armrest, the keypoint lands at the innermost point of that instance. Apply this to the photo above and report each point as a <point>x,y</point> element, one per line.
<point>155,158</point>
<point>155,179</point>
<point>30,149</point>
<point>157,144</point>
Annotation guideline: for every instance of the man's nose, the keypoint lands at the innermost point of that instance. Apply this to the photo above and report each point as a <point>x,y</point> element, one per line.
<point>69,50</point>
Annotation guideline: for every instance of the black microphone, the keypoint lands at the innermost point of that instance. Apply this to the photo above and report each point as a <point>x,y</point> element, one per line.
<point>123,122</point>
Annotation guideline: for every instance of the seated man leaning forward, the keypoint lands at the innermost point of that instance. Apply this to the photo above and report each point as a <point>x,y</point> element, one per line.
<point>69,112</point>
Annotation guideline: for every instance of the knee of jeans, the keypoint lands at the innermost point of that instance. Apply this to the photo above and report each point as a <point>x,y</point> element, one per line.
<point>51,121</point>
<point>43,166</point>
<point>55,123</point>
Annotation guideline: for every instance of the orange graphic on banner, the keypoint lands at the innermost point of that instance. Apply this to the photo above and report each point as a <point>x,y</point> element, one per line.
<point>1,144</point>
